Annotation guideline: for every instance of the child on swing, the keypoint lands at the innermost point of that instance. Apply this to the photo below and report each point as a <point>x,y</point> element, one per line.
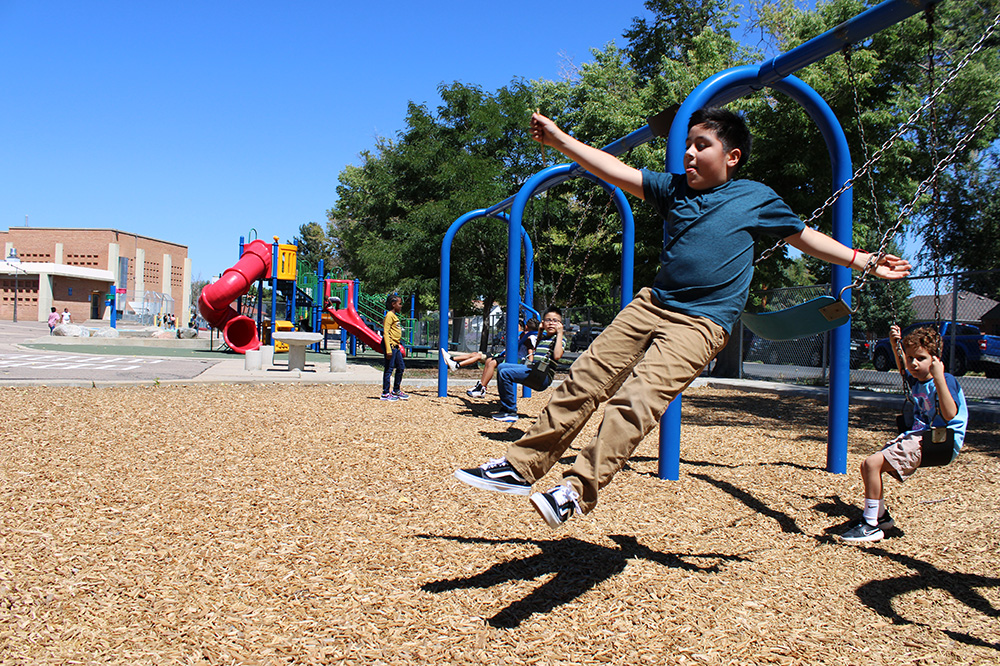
<point>525,349</point>
<point>938,401</point>
<point>666,336</point>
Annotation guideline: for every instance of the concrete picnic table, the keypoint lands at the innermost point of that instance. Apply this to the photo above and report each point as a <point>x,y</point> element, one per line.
<point>297,343</point>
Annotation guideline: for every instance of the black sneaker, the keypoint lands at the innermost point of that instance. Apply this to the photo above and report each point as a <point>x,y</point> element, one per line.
<point>556,505</point>
<point>862,531</point>
<point>506,417</point>
<point>885,522</point>
<point>496,475</point>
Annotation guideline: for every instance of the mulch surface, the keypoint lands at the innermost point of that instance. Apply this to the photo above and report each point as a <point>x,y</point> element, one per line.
<point>316,524</point>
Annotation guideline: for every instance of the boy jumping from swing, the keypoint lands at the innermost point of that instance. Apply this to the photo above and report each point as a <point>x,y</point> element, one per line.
<point>666,336</point>
<point>938,402</point>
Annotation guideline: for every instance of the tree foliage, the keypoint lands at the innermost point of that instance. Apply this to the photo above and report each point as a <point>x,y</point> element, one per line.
<point>473,151</point>
<point>393,210</point>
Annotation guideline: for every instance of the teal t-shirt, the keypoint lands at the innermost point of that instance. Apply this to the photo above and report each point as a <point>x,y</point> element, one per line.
<point>707,262</point>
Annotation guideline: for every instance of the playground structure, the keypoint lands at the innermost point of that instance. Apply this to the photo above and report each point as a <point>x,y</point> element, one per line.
<point>241,332</point>
<point>720,89</point>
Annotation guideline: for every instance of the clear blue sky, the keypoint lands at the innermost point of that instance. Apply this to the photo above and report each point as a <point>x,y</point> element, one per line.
<point>194,122</point>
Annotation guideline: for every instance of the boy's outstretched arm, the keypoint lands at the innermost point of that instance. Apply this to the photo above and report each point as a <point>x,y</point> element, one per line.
<point>604,165</point>
<point>821,246</point>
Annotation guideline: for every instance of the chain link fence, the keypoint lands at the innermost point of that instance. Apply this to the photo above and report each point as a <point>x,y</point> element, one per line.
<point>970,320</point>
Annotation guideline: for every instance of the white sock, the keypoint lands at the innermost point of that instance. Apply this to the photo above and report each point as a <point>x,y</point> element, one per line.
<point>881,508</point>
<point>871,511</point>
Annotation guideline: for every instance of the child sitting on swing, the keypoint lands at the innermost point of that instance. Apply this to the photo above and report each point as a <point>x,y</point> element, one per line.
<point>666,336</point>
<point>938,402</point>
<point>525,349</point>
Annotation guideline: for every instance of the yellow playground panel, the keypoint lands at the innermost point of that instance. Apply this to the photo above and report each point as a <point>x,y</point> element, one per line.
<point>286,262</point>
<point>282,325</point>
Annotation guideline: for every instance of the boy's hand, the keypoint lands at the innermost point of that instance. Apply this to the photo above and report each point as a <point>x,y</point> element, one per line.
<point>894,334</point>
<point>891,267</point>
<point>937,369</point>
<point>542,129</point>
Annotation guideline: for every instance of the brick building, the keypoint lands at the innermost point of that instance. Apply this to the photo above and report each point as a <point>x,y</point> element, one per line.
<point>77,268</point>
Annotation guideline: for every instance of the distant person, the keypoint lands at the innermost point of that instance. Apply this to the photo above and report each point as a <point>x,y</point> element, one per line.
<point>67,318</point>
<point>54,320</point>
<point>392,334</point>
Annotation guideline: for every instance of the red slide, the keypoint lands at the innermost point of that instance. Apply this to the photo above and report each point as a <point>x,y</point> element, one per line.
<point>215,302</point>
<point>352,323</point>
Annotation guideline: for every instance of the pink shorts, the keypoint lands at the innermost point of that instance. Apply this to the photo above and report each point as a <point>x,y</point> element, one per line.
<point>903,455</point>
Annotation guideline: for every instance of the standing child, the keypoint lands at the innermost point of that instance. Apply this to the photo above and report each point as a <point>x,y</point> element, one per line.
<point>666,336</point>
<point>938,401</point>
<point>54,320</point>
<point>392,333</point>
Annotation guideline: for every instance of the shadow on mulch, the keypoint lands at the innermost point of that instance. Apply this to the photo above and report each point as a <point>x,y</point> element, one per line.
<point>879,594</point>
<point>578,566</point>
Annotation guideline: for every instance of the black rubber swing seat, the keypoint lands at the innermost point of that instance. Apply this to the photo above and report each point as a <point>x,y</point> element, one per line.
<point>818,315</point>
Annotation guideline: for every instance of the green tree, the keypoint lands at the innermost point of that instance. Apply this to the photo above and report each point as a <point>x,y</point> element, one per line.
<point>394,209</point>
<point>315,246</point>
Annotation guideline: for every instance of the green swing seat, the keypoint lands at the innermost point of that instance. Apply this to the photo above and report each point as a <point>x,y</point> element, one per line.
<point>821,314</point>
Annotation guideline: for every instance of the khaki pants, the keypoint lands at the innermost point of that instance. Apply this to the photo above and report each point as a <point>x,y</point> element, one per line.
<point>642,361</point>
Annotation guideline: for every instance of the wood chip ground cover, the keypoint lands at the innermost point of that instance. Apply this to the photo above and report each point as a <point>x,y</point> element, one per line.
<point>316,524</point>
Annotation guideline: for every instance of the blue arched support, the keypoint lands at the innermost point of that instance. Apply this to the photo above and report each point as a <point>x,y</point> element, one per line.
<point>538,183</point>
<point>711,92</point>
<point>445,280</point>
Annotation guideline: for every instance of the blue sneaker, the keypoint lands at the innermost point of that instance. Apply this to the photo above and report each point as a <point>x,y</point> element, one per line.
<point>497,475</point>
<point>506,417</point>
<point>389,396</point>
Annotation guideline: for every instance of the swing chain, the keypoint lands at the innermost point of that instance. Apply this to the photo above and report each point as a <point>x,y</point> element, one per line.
<point>906,126</point>
<point>907,210</point>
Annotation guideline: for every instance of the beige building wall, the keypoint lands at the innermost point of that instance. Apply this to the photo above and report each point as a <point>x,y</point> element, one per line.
<point>76,268</point>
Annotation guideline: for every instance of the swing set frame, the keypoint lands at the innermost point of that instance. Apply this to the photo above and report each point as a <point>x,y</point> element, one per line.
<point>718,90</point>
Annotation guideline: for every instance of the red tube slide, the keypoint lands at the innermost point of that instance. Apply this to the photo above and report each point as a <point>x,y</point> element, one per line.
<point>350,321</point>
<point>216,300</point>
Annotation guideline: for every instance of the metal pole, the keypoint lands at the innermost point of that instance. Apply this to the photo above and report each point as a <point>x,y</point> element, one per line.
<point>15,294</point>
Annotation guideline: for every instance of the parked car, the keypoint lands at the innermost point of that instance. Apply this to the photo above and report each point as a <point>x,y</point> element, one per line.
<point>805,351</point>
<point>974,350</point>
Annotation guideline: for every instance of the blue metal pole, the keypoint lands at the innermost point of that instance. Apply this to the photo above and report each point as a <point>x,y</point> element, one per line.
<point>840,337</point>
<point>274,288</point>
<point>669,466</point>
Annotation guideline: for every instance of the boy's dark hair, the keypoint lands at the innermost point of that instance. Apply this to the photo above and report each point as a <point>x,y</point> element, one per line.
<point>553,309</point>
<point>392,298</point>
<point>925,337</point>
<point>729,127</point>
<point>531,325</point>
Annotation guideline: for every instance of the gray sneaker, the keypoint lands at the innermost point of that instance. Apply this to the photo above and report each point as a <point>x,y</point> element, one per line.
<point>862,531</point>
<point>557,505</point>
<point>506,417</point>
